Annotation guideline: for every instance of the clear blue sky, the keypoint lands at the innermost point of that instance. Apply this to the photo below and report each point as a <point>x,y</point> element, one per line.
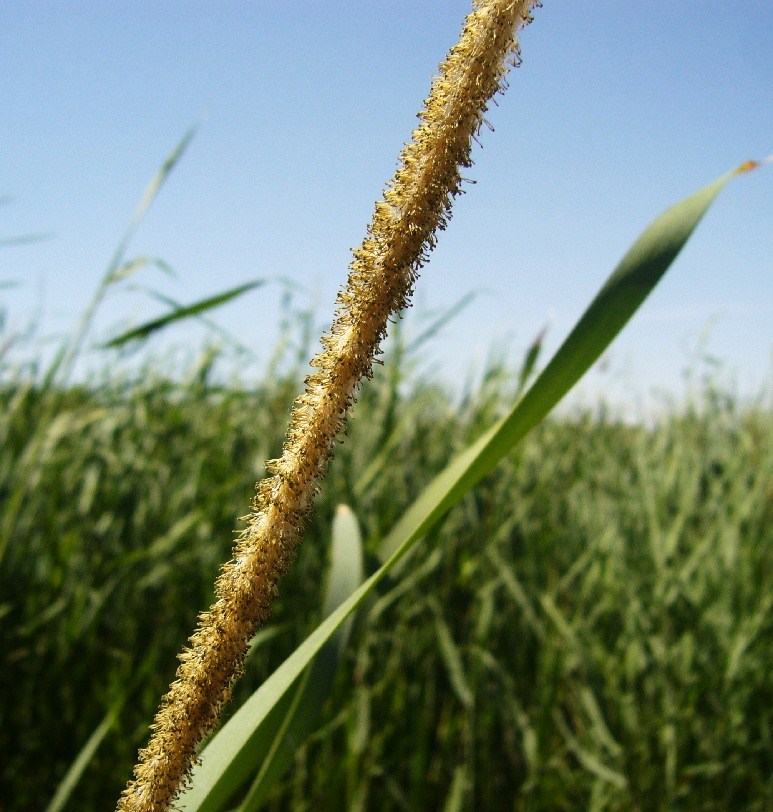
<point>618,110</point>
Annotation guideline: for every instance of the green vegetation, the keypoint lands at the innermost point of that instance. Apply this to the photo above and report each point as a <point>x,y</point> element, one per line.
<point>578,620</point>
<point>591,625</point>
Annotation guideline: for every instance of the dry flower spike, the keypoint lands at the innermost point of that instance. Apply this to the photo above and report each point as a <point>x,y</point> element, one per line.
<point>416,204</point>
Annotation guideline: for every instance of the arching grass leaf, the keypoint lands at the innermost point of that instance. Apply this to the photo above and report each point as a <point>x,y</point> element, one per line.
<point>625,290</point>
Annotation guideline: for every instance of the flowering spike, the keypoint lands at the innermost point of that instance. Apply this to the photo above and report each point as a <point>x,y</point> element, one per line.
<point>416,204</point>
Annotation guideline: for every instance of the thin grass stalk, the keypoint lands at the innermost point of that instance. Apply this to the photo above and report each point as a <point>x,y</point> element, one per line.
<point>415,206</point>
<point>70,351</point>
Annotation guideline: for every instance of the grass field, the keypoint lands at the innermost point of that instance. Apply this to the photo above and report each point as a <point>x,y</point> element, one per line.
<point>591,628</point>
<point>579,620</point>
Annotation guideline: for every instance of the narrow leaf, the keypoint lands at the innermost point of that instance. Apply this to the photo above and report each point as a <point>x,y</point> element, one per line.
<point>456,795</point>
<point>211,325</point>
<point>24,239</point>
<point>70,350</point>
<point>82,760</point>
<point>530,359</point>
<point>196,309</point>
<point>158,181</point>
<point>441,322</point>
<point>452,660</point>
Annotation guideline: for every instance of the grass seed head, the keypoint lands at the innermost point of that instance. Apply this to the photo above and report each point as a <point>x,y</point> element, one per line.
<point>415,206</point>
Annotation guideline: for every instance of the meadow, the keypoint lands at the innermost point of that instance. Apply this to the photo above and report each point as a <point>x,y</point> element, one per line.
<point>589,628</point>
<point>487,608</point>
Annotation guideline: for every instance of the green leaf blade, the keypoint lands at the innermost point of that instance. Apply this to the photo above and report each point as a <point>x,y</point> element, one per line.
<point>627,287</point>
<point>144,331</point>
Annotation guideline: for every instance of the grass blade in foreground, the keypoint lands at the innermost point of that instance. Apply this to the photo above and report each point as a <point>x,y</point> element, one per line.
<point>242,749</point>
<point>625,290</point>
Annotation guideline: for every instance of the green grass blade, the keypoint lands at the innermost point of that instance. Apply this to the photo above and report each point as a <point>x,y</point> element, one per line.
<point>624,291</point>
<point>229,337</point>
<point>455,800</point>
<point>452,659</point>
<point>244,747</point>
<point>627,287</point>
<point>439,323</point>
<point>155,185</point>
<point>85,757</point>
<point>82,760</point>
<point>530,359</point>
<point>189,311</point>
<point>24,239</point>
<point>71,348</point>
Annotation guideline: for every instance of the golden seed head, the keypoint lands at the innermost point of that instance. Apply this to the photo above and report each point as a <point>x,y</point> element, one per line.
<point>416,205</point>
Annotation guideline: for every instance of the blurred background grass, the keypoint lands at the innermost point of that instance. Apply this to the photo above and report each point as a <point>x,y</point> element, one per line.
<point>591,628</point>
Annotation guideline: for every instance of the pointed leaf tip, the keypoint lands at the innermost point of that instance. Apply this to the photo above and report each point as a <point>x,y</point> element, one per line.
<point>748,166</point>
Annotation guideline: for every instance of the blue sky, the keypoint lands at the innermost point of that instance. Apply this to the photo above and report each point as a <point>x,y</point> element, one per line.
<point>618,110</point>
